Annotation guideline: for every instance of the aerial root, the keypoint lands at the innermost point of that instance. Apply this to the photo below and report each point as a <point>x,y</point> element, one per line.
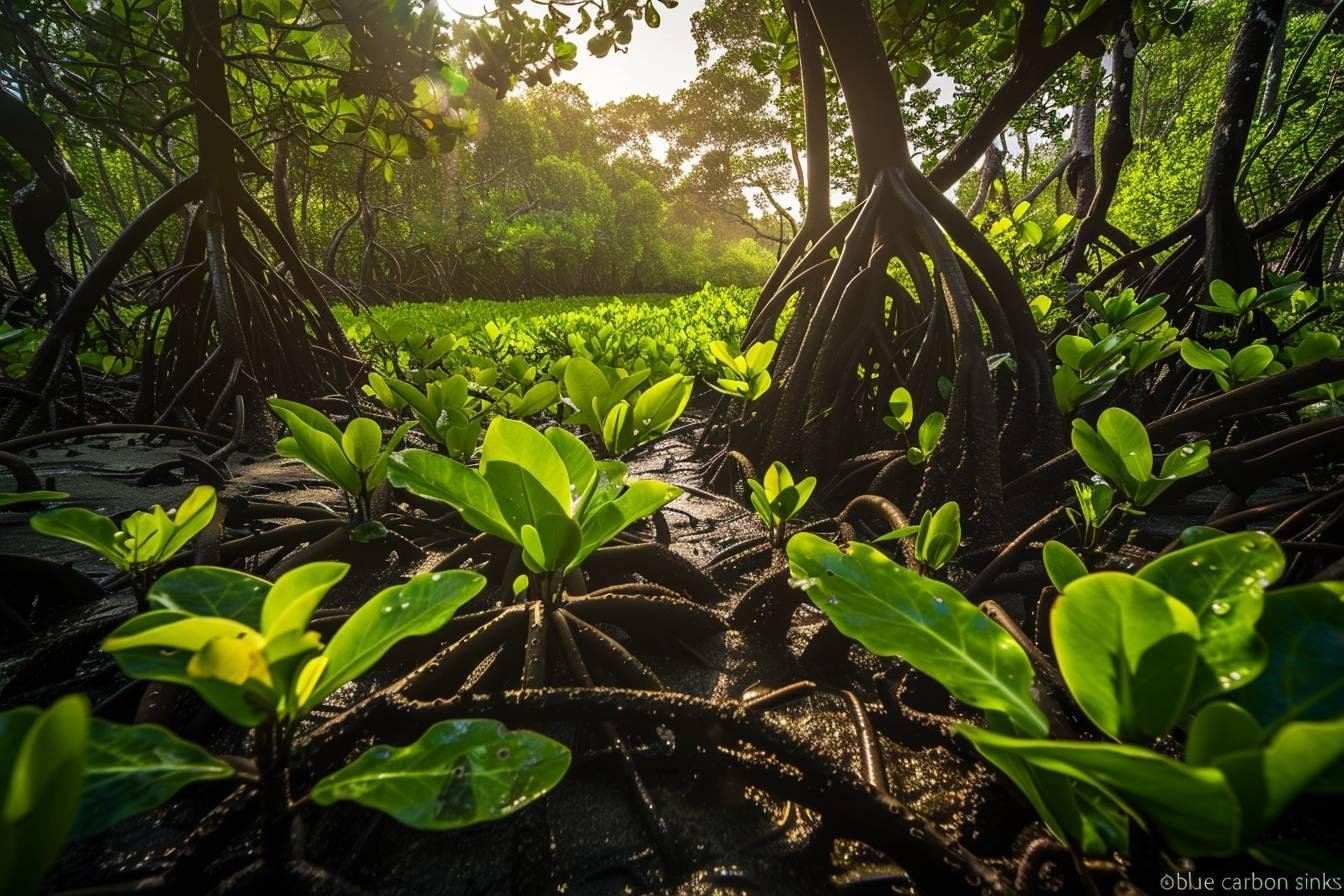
<point>655,562</point>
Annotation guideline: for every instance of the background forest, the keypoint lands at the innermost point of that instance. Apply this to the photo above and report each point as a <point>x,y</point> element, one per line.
<point>546,195</point>
<point>905,459</point>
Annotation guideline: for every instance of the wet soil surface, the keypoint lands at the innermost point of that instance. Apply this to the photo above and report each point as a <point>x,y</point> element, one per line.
<point>587,837</point>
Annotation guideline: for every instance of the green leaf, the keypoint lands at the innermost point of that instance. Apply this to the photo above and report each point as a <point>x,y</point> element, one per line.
<point>580,467</point>
<point>460,772</point>
<point>1218,729</point>
<point>295,595</point>
<point>512,442</point>
<point>551,544</point>
<point>1304,676</point>
<point>211,591</point>
<point>585,384</point>
<point>522,498</point>
<point>9,499</point>
<point>361,442</point>
<point>1267,780</point>
<point>42,756</point>
<point>895,612</point>
<point>1127,652</point>
<point>133,768</point>
<point>1193,808</point>
<point>93,530</point>
<point>173,630</point>
<point>438,478</point>
<point>316,442</point>
<point>1188,460</point>
<point>902,407</point>
<point>642,498</point>
<point>939,540</point>
<point>1200,358</point>
<point>930,431</point>
<point>1222,581</point>
<point>1062,565</point>
<point>661,404</point>
<point>1128,440</point>
<point>1223,295</point>
<point>418,607</point>
<point>192,515</point>
<point>1074,811</point>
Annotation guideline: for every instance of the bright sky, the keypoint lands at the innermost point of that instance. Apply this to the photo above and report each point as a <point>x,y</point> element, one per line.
<point>661,60</point>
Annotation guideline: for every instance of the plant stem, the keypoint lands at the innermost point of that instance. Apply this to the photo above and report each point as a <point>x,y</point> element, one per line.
<point>272,754</point>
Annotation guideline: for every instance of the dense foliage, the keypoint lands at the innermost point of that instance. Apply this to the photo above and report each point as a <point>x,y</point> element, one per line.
<point>966,531</point>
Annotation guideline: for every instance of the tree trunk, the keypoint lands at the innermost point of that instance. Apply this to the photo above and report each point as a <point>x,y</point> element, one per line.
<point>35,207</point>
<point>1116,146</point>
<point>846,346</point>
<point>1229,253</point>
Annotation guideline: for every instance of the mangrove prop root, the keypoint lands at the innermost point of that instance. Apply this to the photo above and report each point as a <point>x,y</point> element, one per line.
<point>655,562</point>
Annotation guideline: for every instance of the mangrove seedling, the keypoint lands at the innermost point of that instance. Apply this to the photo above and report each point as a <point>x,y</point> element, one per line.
<point>142,543</point>
<point>355,460</point>
<point>1229,371</point>
<point>1096,505</point>
<point>444,411</point>
<point>544,494</point>
<point>902,416</point>
<point>244,646</point>
<point>1193,639</point>
<point>1119,451</point>
<point>604,405</point>
<point>745,376</point>
<point>937,536</point>
<point>778,499</point>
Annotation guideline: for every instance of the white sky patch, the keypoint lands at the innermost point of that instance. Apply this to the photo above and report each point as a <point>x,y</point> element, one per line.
<point>659,62</point>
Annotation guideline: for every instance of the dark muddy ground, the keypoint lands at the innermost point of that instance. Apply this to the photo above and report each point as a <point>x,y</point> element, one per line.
<point>726,833</point>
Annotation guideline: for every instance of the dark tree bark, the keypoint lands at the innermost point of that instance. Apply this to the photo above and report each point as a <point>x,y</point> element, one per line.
<point>846,346</point>
<point>1214,243</point>
<point>35,207</point>
<point>1229,253</point>
<point>1033,65</point>
<point>1116,145</point>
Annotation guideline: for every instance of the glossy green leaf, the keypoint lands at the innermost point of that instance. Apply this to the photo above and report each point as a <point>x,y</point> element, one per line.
<point>1222,580</point>
<point>361,442</point>
<point>459,772</point>
<point>42,759</point>
<point>295,595</point>
<point>1303,678</point>
<point>1266,780</point>
<point>510,442</point>
<point>1062,565</point>
<point>438,478</point>
<point>895,612</point>
<point>211,591</point>
<point>93,530</point>
<point>1194,809</point>
<point>1127,651</point>
<point>418,607</point>
<point>1221,728</point>
<point>133,768</point>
